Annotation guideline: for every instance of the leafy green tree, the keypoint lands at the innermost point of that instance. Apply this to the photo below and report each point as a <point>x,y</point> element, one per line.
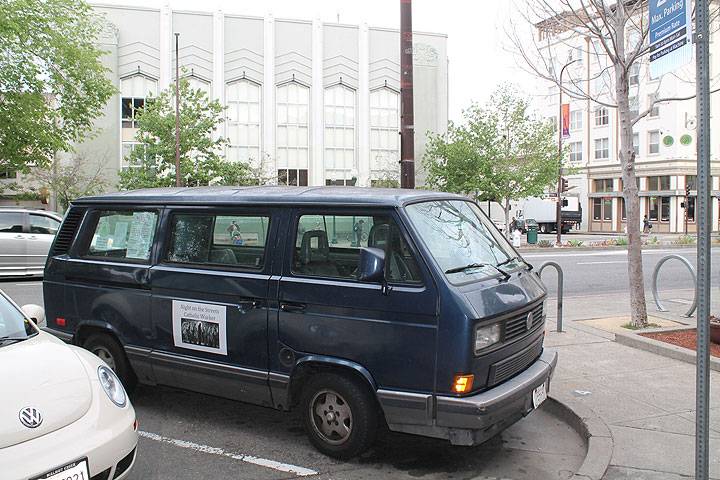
<point>52,84</point>
<point>152,164</point>
<point>501,153</point>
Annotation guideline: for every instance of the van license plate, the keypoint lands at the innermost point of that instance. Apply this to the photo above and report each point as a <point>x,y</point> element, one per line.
<point>539,395</point>
<point>72,471</point>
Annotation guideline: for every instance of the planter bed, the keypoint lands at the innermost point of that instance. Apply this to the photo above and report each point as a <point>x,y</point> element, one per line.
<point>682,338</point>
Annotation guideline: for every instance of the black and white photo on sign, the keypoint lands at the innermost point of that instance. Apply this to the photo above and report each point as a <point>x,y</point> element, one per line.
<point>199,326</point>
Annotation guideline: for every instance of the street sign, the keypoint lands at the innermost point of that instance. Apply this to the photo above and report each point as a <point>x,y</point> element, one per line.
<point>670,35</point>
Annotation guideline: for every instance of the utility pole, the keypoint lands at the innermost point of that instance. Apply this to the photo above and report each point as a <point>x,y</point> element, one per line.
<point>407,115</point>
<point>704,222</point>
<point>558,207</point>
<point>178,183</point>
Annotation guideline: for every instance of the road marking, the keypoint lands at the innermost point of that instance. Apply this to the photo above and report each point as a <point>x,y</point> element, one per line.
<point>601,263</point>
<point>603,253</point>
<point>262,462</point>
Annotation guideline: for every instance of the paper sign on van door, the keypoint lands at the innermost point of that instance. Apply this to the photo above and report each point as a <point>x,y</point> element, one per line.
<point>199,326</point>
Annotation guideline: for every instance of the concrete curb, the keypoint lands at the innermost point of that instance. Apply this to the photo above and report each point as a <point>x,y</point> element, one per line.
<point>590,426</point>
<point>662,348</point>
<point>526,249</point>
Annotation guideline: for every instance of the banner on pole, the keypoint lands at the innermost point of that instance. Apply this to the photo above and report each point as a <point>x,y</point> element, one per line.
<point>566,120</point>
<point>670,35</point>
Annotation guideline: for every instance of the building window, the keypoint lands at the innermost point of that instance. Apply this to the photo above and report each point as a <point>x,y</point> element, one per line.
<point>127,149</point>
<point>653,142</point>
<point>197,83</point>
<point>690,208</point>
<point>339,135</point>
<point>243,121</point>
<point>134,91</point>
<point>636,143</point>
<point>603,185</point>
<point>658,183</point>
<point>576,120</point>
<point>607,209</point>
<point>661,206</point>
<point>602,209</point>
<point>655,110</point>
<point>384,133</point>
<point>293,133</point>
<point>634,74</point>
<point>7,173</point>
<point>623,209</point>
<point>602,116</point>
<point>553,123</point>
<point>576,54</point>
<point>691,182</point>
<point>602,148</point>
<point>576,152</point>
<point>634,104</point>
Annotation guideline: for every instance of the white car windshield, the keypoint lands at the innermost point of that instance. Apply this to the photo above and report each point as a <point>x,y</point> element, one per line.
<point>465,244</point>
<point>13,324</point>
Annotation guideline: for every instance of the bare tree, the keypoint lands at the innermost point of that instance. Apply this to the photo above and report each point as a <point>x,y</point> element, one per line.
<point>616,35</point>
<point>69,180</point>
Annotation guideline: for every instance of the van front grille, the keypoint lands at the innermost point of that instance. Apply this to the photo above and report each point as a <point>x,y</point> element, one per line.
<point>508,368</point>
<point>517,327</point>
<point>67,232</point>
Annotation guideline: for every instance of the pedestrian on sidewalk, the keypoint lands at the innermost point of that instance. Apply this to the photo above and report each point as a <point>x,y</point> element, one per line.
<point>647,225</point>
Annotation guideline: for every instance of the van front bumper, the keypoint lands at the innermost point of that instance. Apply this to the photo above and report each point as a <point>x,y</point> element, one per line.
<point>468,420</point>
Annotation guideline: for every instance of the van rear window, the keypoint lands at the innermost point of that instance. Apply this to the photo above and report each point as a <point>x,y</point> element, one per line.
<point>233,240</point>
<point>123,235</point>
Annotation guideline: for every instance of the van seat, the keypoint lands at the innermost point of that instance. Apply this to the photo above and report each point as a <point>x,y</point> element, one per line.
<point>223,256</point>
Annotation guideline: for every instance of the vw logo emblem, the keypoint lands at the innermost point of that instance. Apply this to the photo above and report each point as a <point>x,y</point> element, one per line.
<point>30,417</point>
<point>529,320</point>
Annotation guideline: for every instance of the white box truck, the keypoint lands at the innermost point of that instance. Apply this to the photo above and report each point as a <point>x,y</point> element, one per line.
<point>542,210</point>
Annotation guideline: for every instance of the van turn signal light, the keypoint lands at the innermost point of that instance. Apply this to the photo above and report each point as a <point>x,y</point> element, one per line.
<point>463,383</point>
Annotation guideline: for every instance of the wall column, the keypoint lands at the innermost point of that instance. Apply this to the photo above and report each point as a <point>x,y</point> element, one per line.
<point>219,64</point>
<point>363,150</point>
<point>317,100</point>
<point>166,47</point>
<point>268,96</point>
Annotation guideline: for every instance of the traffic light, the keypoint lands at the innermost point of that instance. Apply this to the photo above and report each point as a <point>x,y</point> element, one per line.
<point>565,202</point>
<point>564,185</point>
<point>687,190</point>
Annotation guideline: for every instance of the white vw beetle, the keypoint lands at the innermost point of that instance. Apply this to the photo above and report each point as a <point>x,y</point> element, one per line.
<point>64,415</point>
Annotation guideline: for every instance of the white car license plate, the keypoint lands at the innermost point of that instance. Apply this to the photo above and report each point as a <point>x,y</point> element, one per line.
<point>539,395</point>
<point>72,471</point>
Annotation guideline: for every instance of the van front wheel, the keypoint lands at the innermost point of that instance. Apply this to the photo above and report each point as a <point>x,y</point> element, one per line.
<point>339,414</point>
<point>110,351</point>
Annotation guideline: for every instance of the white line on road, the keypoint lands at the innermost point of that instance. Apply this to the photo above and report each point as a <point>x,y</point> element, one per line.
<point>603,253</point>
<point>262,462</point>
<point>601,263</point>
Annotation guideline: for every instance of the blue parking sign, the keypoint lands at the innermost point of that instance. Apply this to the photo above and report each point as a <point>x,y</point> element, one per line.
<point>670,35</point>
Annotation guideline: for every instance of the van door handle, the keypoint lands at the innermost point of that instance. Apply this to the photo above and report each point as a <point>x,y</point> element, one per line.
<point>292,307</point>
<point>245,305</point>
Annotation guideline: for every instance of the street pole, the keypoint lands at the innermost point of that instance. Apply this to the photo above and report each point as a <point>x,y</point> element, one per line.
<point>178,183</point>
<point>407,115</point>
<point>558,207</point>
<point>702,387</point>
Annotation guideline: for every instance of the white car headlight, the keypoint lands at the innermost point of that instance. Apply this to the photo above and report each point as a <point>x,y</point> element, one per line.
<point>112,386</point>
<point>485,336</point>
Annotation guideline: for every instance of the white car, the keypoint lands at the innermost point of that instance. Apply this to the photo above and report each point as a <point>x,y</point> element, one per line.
<point>64,415</point>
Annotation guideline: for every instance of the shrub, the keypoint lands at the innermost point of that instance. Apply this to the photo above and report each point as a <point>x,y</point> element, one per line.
<point>685,240</point>
<point>575,243</point>
<point>544,243</point>
<point>620,242</point>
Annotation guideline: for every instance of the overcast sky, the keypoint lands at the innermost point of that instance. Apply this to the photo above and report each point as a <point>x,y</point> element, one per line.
<point>478,61</point>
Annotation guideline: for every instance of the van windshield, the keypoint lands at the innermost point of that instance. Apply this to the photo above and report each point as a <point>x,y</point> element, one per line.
<point>465,244</point>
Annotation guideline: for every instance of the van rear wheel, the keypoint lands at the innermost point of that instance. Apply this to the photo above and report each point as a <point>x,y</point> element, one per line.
<point>109,350</point>
<point>339,414</point>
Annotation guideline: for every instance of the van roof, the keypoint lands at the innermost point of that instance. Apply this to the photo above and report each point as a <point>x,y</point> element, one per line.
<point>395,197</point>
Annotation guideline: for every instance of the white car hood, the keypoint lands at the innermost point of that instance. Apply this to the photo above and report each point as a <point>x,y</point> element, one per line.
<point>44,373</point>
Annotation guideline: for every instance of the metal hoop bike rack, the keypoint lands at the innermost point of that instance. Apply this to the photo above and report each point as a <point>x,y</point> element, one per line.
<point>559,271</point>
<point>687,263</point>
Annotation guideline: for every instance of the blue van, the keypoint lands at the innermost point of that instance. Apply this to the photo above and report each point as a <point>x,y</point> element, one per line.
<point>354,305</point>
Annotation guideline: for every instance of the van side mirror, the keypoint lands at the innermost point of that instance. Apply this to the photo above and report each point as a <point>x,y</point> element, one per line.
<point>371,267</point>
<point>36,313</point>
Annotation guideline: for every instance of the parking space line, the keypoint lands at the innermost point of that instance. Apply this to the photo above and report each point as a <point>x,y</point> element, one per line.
<point>262,462</point>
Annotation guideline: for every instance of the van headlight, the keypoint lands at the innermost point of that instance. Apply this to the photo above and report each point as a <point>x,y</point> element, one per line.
<point>485,336</point>
<point>112,386</point>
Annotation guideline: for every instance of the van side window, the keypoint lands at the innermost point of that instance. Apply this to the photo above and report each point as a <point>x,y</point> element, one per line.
<point>123,235</point>
<point>329,246</point>
<point>218,239</point>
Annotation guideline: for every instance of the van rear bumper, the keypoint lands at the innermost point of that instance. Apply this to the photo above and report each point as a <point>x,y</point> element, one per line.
<point>468,420</point>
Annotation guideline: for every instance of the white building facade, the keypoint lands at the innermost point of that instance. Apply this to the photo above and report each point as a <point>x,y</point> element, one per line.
<point>308,103</point>
<point>665,140</point>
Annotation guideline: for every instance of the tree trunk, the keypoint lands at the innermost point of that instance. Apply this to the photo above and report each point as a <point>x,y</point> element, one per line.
<point>626,152</point>
<point>507,219</point>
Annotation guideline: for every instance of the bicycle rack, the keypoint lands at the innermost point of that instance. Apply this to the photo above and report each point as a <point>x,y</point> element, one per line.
<point>559,271</point>
<point>687,263</point>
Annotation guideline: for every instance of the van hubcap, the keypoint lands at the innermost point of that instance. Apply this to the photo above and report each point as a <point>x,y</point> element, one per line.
<point>331,417</point>
<point>105,356</point>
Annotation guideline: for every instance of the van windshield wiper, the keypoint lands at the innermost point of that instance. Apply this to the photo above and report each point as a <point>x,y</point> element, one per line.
<point>8,338</point>
<point>477,265</point>
<point>518,258</point>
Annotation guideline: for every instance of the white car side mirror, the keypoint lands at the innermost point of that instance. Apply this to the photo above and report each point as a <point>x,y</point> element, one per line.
<point>36,313</point>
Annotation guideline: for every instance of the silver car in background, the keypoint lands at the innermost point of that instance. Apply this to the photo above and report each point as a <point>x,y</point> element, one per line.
<point>25,239</point>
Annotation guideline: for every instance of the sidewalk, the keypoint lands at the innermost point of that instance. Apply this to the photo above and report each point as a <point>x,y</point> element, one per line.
<point>646,400</point>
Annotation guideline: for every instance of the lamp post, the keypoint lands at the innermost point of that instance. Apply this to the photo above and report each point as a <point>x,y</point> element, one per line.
<point>178,181</point>
<point>558,207</point>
